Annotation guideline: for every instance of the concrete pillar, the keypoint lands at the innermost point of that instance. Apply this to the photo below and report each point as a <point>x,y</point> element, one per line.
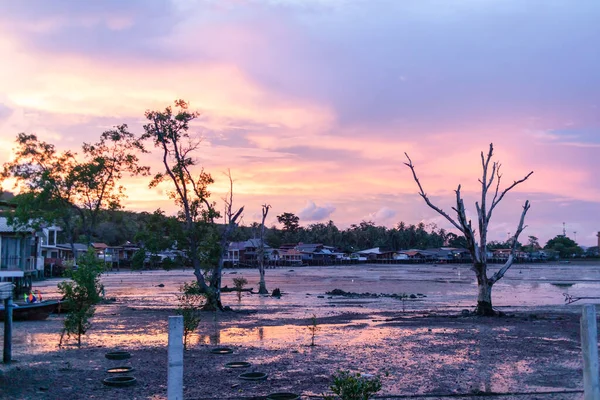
<point>8,322</point>
<point>175,374</point>
<point>589,348</point>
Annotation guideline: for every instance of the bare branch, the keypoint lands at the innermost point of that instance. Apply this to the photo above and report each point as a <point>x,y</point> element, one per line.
<point>498,275</point>
<point>467,228</point>
<point>499,199</point>
<point>410,165</point>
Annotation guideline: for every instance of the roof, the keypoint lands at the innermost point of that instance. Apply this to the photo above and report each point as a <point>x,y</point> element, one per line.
<point>374,250</point>
<point>291,252</point>
<point>5,228</point>
<point>78,246</point>
<point>237,245</point>
<point>308,246</point>
<point>255,243</point>
<point>99,245</point>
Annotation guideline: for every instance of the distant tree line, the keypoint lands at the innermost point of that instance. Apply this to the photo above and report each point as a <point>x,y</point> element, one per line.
<point>157,231</point>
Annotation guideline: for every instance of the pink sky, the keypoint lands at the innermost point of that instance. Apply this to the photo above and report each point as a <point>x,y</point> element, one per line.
<point>312,103</point>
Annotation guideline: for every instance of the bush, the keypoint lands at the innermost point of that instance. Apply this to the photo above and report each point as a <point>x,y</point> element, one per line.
<point>191,301</point>
<point>238,284</point>
<point>353,386</point>
<point>137,261</point>
<point>168,264</point>
<point>82,293</point>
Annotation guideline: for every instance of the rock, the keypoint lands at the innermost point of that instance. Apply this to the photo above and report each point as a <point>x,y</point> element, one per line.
<point>413,296</point>
<point>44,388</point>
<point>465,312</point>
<point>161,285</point>
<point>320,297</point>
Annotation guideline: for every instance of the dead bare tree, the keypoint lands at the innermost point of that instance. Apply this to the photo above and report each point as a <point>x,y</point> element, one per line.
<point>262,289</point>
<point>478,249</point>
<point>231,222</point>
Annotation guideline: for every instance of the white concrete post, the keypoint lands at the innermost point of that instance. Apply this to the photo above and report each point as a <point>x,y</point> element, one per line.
<point>589,348</point>
<point>175,374</point>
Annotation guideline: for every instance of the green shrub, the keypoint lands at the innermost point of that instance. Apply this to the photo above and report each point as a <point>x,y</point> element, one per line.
<point>238,284</point>
<point>168,264</point>
<point>82,293</point>
<point>313,328</point>
<point>353,386</point>
<point>137,261</point>
<point>191,301</point>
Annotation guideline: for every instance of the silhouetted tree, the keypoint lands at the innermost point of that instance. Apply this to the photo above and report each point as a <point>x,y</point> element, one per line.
<point>206,247</point>
<point>565,246</point>
<point>478,248</point>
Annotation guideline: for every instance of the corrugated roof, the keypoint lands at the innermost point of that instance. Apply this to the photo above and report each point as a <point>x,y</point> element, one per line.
<point>5,228</point>
<point>78,246</point>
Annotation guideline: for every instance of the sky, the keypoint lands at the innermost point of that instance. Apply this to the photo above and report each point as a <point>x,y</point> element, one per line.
<point>312,103</point>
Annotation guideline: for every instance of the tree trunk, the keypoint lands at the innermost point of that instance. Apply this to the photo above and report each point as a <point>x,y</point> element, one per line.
<point>262,286</point>
<point>213,300</point>
<point>484,297</point>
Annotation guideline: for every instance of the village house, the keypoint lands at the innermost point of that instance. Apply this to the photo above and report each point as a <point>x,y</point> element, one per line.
<point>247,252</point>
<point>65,251</point>
<point>320,252</point>
<point>377,253</point>
<point>291,256</point>
<point>20,255</point>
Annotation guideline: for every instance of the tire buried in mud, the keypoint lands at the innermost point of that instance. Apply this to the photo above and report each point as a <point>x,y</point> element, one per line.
<point>283,396</point>
<point>253,376</point>
<point>119,381</point>
<point>118,355</point>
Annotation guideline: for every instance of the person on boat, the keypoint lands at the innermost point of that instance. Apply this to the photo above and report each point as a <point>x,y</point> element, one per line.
<point>34,298</point>
<point>31,298</point>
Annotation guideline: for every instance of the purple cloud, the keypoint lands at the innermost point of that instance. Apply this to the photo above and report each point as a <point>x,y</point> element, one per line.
<point>312,212</point>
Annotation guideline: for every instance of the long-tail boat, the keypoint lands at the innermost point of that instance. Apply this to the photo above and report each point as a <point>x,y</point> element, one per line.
<point>31,311</point>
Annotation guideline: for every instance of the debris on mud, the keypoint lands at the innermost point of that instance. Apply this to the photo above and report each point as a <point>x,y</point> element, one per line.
<point>402,296</point>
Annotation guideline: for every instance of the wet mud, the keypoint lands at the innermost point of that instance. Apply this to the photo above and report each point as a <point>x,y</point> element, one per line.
<point>424,347</point>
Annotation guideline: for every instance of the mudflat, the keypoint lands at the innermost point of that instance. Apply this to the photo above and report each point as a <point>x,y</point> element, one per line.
<point>426,345</point>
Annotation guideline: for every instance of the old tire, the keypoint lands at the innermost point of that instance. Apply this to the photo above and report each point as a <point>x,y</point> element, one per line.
<point>222,350</point>
<point>283,396</point>
<point>238,364</point>
<point>253,376</point>
<point>124,369</point>
<point>118,355</point>
<point>119,381</point>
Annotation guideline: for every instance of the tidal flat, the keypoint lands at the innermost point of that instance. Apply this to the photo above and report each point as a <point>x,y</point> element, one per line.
<point>424,346</point>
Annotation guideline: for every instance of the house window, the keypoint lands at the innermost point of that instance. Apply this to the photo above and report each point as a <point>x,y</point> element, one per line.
<point>52,238</point>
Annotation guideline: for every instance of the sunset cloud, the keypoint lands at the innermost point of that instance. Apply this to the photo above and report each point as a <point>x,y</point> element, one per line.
<point>312,104</point>
<point>312,212</point>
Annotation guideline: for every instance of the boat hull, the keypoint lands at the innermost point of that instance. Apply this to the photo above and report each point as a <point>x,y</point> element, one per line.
<point>32,312</point>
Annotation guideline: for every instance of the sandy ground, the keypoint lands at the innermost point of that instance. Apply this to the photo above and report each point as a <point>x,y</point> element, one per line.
<point>422,347</point>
